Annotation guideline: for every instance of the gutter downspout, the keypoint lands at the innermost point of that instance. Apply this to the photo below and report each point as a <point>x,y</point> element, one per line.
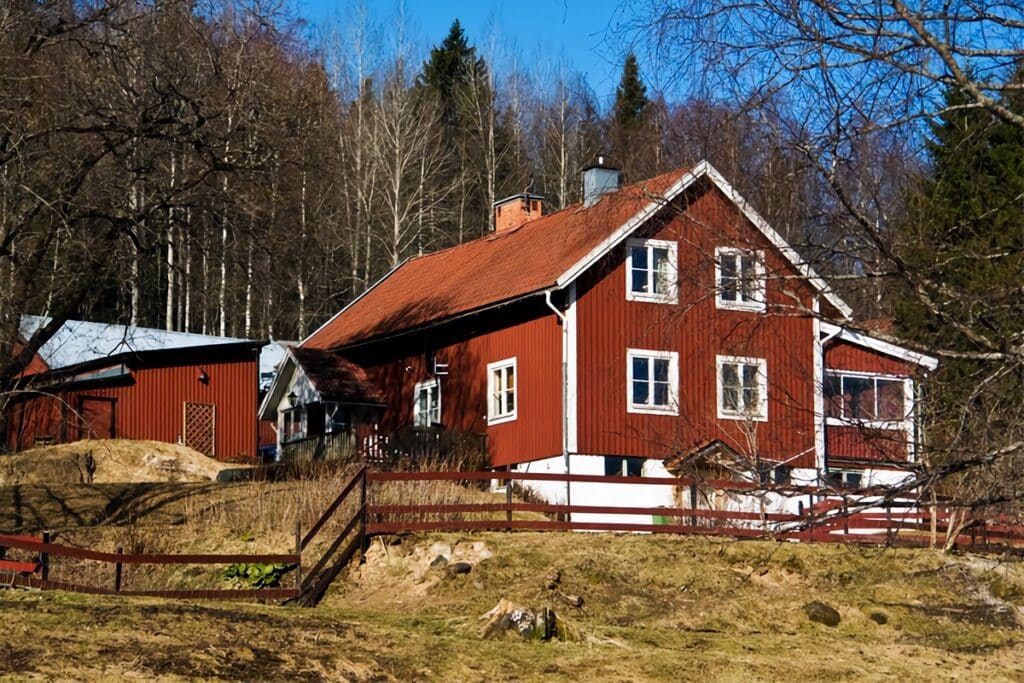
<point>565,392</point>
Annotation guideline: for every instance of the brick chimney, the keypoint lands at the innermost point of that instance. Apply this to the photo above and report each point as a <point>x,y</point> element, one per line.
<point>511,212</point>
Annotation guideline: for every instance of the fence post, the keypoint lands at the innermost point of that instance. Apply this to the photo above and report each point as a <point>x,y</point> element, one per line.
<point>508,504</point>
<point>889,531</point>
<point>298,555</point>
<point>810,517</point>
<point>362,507</point>
<point>117,571</point>
<point>44,559</point>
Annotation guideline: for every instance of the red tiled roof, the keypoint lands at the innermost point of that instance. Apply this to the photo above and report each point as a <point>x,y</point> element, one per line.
<point>495,268</point>
<point>335,377</point>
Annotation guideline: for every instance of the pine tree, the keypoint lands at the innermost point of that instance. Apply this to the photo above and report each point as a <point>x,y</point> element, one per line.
<point>631,96</point>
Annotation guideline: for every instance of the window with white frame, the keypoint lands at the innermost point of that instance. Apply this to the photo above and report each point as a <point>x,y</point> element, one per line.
<point>652,271</point>
<point>739,279</point>
<point>861,397</point>
<point>426,407</point>
<point>652,381</point>
<point>742,388</point>
<point>501,391</point>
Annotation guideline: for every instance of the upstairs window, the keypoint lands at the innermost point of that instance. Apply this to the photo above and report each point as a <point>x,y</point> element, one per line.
<point>653,381</point>
<point>426,408</point>
<point>652,272</point>
<point>742,388</point>
<point>865,398</point>
<point>501,390</point>
<point>739,279</point>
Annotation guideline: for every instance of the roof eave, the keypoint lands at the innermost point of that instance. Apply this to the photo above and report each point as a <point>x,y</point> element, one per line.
<point>880,345</point>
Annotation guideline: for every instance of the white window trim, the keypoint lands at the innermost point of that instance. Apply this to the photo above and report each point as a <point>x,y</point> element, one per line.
<point>425,384</point>
<point>760,302</point>
<point>673,382</point>
<point>762,386</point>
<point>493,419</point>
<point>669,297</point>
<point>908,402</point>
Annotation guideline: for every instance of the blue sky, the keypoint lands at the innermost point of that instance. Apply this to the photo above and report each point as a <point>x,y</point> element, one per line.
<point>580,32</point>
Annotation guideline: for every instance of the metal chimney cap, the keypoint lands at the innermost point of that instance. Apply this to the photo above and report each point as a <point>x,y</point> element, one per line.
<point>601,162</point>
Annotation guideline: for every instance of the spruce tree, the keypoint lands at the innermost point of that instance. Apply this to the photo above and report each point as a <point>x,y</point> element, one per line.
<point>631,95</point>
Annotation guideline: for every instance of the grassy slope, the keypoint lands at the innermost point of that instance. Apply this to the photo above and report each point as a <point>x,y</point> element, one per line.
<point>656,609</point>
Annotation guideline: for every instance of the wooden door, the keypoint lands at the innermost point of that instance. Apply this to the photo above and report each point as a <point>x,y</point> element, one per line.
<point>98,417</point>
<point>200,419</point>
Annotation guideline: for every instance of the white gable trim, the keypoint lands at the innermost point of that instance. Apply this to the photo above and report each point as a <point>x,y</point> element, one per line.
<point>352,303</point>
<point>282,380</point>
<point>883,347</point>
<point>699,171</point>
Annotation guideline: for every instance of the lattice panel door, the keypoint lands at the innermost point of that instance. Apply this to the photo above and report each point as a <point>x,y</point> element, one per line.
<point>199,427</point>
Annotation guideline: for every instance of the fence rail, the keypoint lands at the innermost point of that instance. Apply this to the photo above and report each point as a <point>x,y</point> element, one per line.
<point>46,551</point>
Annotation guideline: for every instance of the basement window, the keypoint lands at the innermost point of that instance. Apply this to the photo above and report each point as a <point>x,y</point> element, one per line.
<point>501,391</point>
<point>652,271</point>
<point>618,466</point>
<point>739,279</point>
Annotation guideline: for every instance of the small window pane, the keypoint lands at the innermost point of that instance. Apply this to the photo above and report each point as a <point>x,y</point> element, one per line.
<point>638,281</point>
<point>661,370</point>
<point>858,398</point>
<point>660,394</point>
<point>660,269</point>
<point>833,396</point>
<point>510,378</point>
<point>750,376</point>
<point>890,400</point>
<point>613,466</point>
<point>730,397</point>
<point>640,368</point>
<point>730,379</point>
<point>639,255</point>
<point>634,467</point>
<point>640,392</point>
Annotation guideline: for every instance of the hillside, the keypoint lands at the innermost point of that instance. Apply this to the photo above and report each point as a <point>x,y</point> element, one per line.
<point>653,609</point>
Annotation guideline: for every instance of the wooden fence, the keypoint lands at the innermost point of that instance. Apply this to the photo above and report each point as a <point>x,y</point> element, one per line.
<point>826,518</point>
<point>46,551</point>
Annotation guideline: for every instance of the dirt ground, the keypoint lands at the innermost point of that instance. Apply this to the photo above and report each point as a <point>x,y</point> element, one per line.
<point>654,609</point>
<point>102,461</point>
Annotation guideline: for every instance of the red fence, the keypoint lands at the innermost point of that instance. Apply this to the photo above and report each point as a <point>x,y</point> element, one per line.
<point>826,518</point>
<point>45,551</point>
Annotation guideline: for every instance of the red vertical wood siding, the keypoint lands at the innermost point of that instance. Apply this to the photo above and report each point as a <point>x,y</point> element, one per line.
<point>152,407</point>
<point>698,331</point>
<point>841,355</point>
<point>862,443</point>
<point>531,334</point>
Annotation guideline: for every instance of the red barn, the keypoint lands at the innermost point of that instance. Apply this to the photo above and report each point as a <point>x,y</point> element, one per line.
<point>661,322</point>
<point>202,396</point>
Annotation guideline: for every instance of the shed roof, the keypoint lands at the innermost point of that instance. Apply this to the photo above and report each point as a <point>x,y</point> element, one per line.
<point>335,377</point>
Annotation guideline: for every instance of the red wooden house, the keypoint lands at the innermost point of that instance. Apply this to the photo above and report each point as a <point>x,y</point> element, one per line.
<point>661,323</point>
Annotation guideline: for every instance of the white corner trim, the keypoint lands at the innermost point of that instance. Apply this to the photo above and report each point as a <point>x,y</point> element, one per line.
<point>572,398</point>
<point>673,382</point>
<point>352,303</point>
<point>883,347</point>
<point>818,355</point>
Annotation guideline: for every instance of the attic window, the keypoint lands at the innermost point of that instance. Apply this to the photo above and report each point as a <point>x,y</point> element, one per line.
<point>652,271</point>
<point>739,279</point>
